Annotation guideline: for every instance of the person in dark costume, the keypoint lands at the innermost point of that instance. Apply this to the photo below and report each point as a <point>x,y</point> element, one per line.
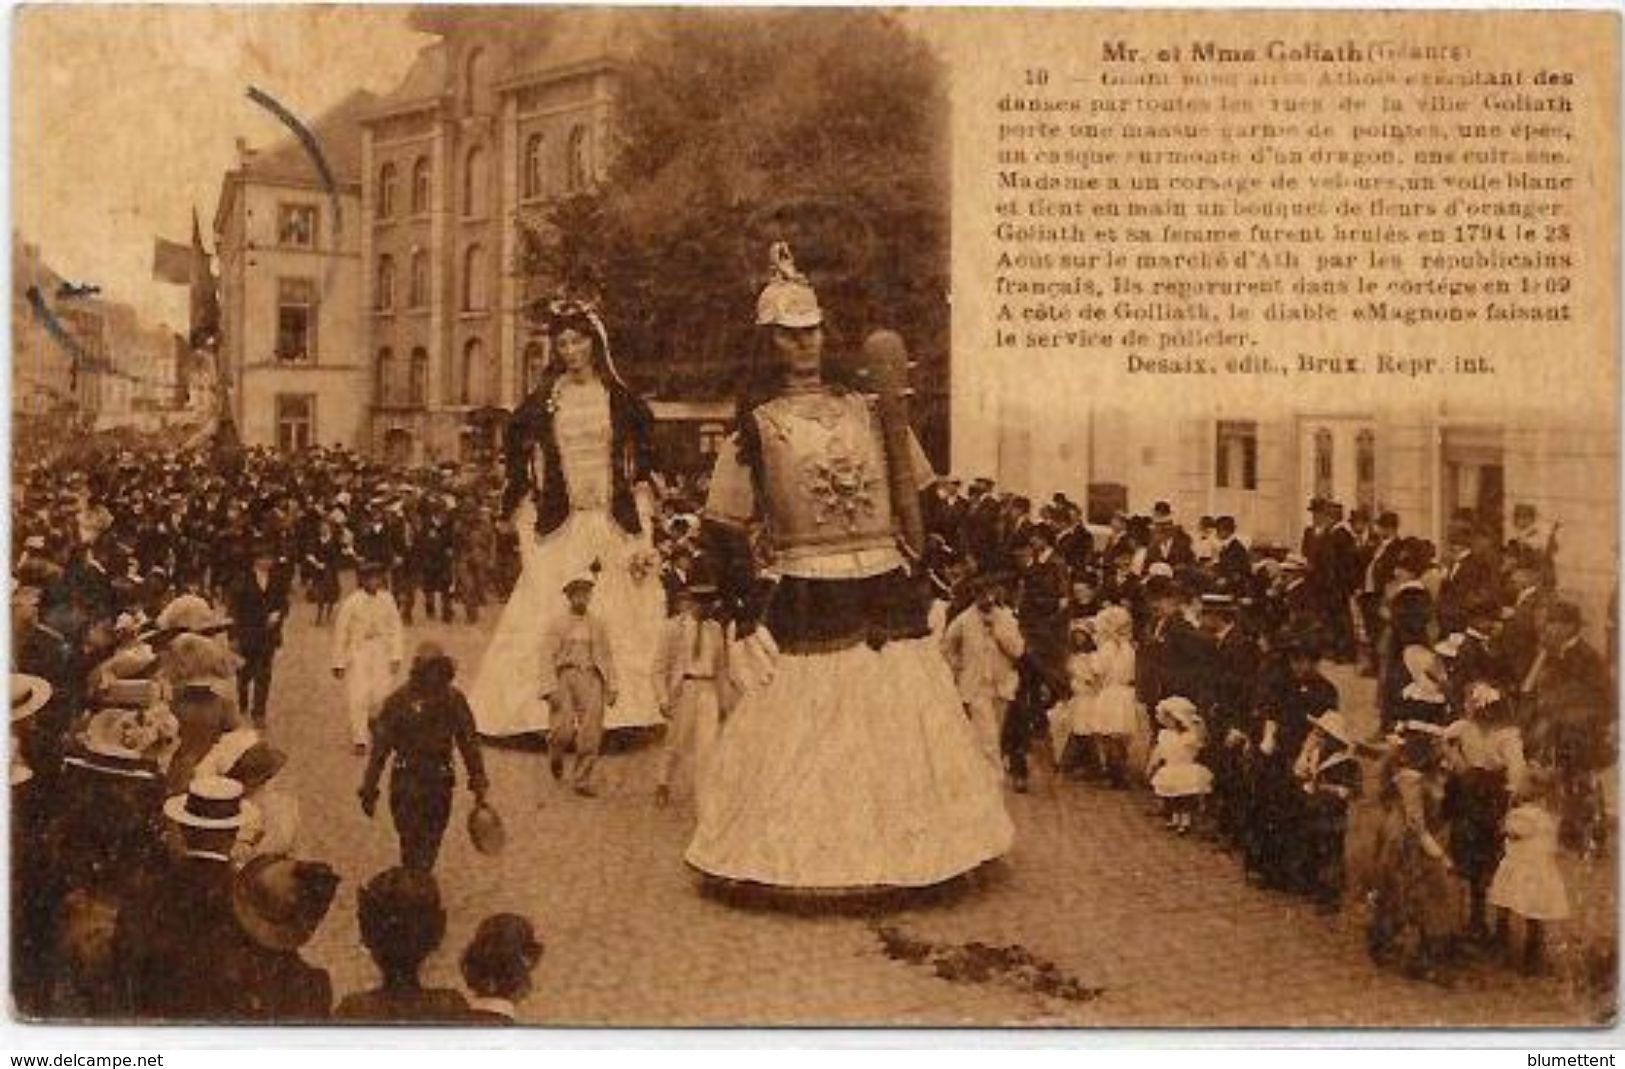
<point>418,727</point>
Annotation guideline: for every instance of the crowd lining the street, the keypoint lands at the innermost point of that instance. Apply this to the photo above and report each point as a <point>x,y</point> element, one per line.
<point>150,592</point>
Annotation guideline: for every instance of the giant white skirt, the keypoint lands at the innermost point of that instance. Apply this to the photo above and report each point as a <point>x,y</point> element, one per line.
<point>848,770</point>
<point>505,694</point>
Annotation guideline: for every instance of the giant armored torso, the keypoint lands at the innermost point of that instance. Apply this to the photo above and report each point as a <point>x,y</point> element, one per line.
<point>827,501</point>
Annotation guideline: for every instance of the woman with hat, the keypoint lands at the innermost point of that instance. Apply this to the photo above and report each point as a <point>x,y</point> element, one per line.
<point>273,827</point>
<point>1484,751</point>
<point>1413,909</point>
<point>1328,773</point>
<point>578,468</point>
<point>854,767</point>
<point>279,903</point>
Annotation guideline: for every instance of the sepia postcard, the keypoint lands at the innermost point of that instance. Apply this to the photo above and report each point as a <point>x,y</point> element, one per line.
<point>907,517</point>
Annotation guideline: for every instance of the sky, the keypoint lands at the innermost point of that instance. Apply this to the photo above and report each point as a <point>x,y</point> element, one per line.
<point>126,118</point>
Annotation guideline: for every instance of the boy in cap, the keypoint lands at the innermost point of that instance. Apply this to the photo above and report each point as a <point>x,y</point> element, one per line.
<point>367,650</point>
<point>578,682</point>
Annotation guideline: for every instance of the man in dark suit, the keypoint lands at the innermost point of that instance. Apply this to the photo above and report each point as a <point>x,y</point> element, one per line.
<point>1234,562</point>
<point>1377,571</point>
<point>1519,641</point>
<point>1170,544</point>
<point>258,606</point>
<point>979,532</point>
<point>1073,542</point>
<point>1573,728</point>
<point>1174,659</point>
<point>1234,680</point>
<point>1041,610</point>
<point>1341,559</point>
<point>1473,574</point>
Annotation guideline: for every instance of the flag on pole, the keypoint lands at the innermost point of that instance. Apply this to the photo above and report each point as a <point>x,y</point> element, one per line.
<point>172,262</point>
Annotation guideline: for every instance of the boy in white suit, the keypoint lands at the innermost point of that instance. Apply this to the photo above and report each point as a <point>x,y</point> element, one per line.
<point>982,645</point>
<point>691,676</point>
<point>368,645</point>
<point>578,683</point>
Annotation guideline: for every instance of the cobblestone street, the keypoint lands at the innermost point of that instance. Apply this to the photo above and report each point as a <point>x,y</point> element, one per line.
<point>1154,930</point>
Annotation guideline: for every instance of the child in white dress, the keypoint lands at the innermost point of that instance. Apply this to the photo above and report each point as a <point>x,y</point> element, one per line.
<point>1177,777</point>
<point>1528,881</point>
<point>1113,714</point>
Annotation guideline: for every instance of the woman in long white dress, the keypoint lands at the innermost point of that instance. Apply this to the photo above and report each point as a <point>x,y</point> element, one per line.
<point>578,495</point>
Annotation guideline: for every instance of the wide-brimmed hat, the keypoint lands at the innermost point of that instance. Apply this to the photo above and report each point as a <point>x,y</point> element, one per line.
<point>1333,723</point>
<point>28,695</point>
<point>1177,710</point>
<point>103,735</point>
<point>212,803</point>
<point>579,582</point>
<point>257,765</point>
<point>191,614</point>
<point>280,902</point>
<point>1113,621</point>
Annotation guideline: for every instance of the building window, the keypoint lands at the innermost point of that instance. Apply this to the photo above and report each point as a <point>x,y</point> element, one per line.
<point>296,320</point>
<point>579,175</point>
<point>386,191</point>
<point>296,225</point>
<point>1235,459</point>
<point>470,377</point>
<point>397,447</point>
<point>1365,470</point>
<point>417,295</point>
<point>295,421</point>
<point>474,183</point>
<point>533,167</point>
<point>385,295</point>
<point>418,385</point>
<point>1323,464</point>
<point>475,84</point>
<point>474,279</point>
<point>420,186</point>
<point>383,385</point>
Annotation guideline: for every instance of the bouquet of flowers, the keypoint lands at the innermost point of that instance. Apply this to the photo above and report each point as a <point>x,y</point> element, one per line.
<point>642,565</point>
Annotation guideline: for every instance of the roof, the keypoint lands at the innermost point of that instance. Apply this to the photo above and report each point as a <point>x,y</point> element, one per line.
<point>524,42</point>
<point>337,131</point>
<point>425,81</point>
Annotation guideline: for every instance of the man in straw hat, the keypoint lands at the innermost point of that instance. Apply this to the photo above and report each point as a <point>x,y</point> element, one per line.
<point>418,727</point>
<point>578,682</point>
<point>182,911</point>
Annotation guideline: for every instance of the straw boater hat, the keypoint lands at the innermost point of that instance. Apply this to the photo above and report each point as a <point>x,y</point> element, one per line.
<point>579,582</point>
<point>211,803</point>
<point>788,299</point>
<point>28,695</point>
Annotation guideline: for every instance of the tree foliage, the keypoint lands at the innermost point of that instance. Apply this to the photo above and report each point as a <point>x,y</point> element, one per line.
<point>824,127</point>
